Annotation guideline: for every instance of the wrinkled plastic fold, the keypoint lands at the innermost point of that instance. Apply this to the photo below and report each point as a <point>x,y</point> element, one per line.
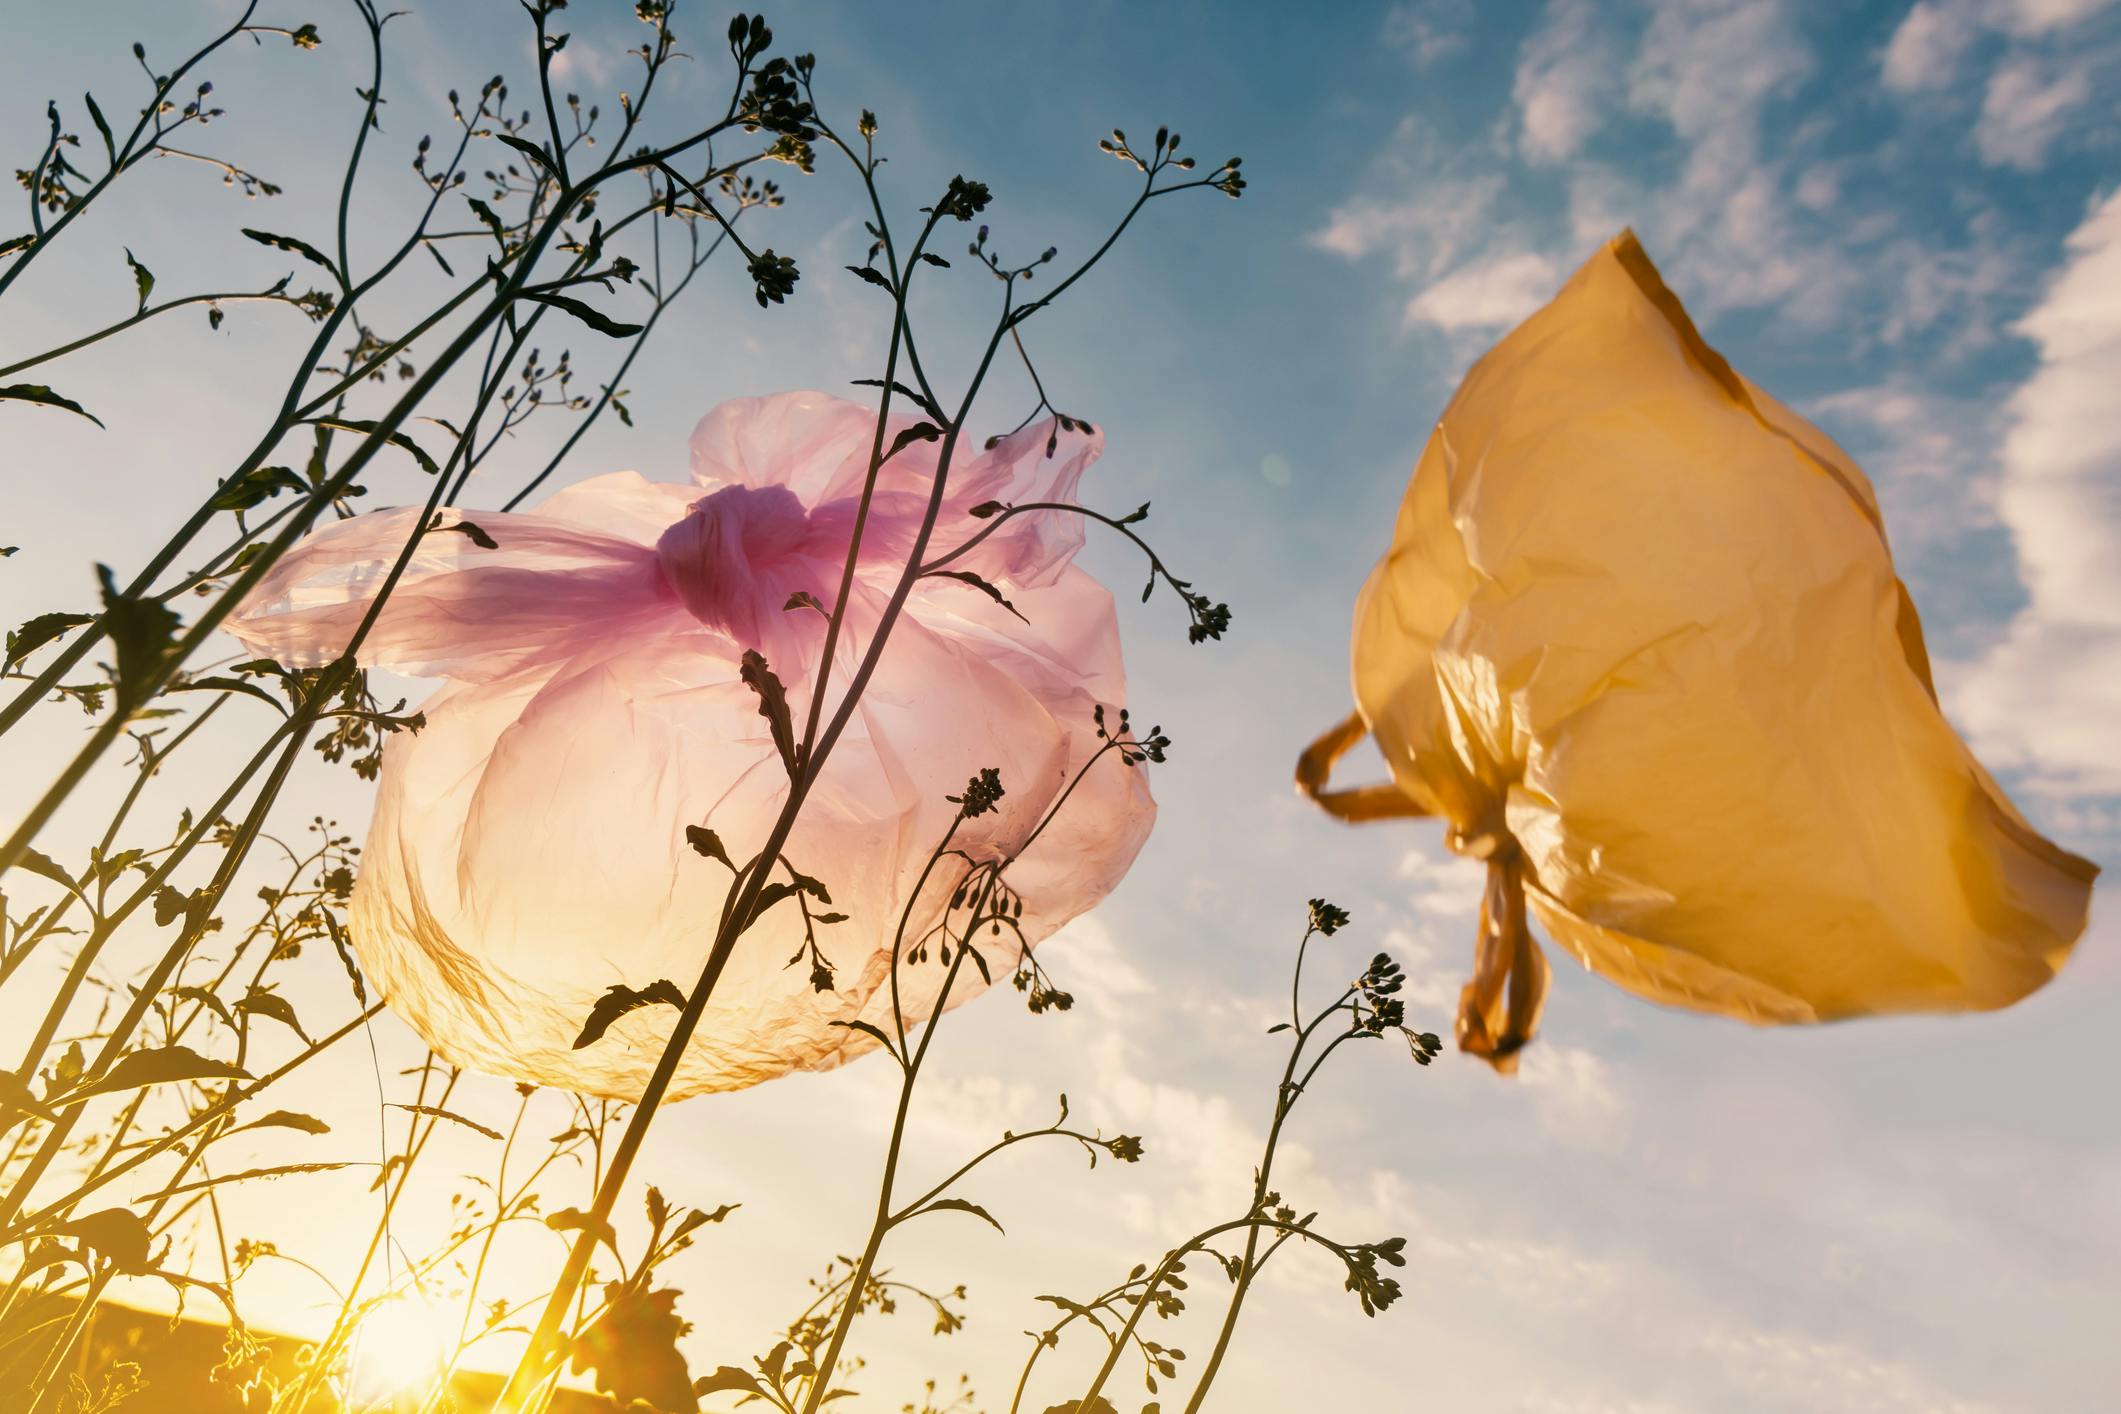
<point>528,848</point>
<point>1639,643</point>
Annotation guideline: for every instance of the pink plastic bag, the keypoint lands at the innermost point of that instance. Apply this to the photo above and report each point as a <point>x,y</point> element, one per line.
<point>528,847</point>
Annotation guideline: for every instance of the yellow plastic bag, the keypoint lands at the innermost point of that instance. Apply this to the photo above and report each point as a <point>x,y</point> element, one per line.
<point>1639,643</point>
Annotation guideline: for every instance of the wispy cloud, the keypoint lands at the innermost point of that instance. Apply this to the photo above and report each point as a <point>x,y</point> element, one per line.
<point>2047,698</point>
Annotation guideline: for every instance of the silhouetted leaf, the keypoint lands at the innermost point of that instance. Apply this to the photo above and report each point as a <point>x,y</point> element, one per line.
<point>804,599</point>
<point>39,393</point>
<point>708,844</point>
<point>259,1002</point>
<point>575,1220</point>
<point>618,999</point>
<point>905,392</point>
<point>286,1119</point>
<point>244,1176</point>
<point>219,684</point>
<point>437,1112</point>
<point>530,150</point>
<point>39,631</point>
<point>396,439</point>
<point>867,1030</point>
<point>593,317</point>
<point>240,493</point>
<point>870,275</point>
<point>773,706</point>
<point>493,223</point>
<point>968,577</point>
<point>143,278</point>
<point>116,1233</point>
<point>344,948</point>
<point>203,996</point>
<point>288,243</point>
<point>158,1066</point>
<point>95,115</point>
<point>141,630</point>
<point>17,1103</point>
<point>726,1380</point>
<point>475,534</point>
<point>633,1348</point>
<point>963,1205</point>
<point>1098,1405</point>
<point>38,862</point>
<point>918,432</point>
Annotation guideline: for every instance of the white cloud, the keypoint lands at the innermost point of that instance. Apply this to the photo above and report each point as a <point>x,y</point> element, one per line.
<point>2047,698</point>
<point>1928,45</point>
<point>1490,293</point>
<point>2027,106</point>
<point>1428,32</point>
<point>1563,75</point>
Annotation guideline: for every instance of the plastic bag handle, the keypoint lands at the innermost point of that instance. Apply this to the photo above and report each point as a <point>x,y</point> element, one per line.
<point>1356,804</point>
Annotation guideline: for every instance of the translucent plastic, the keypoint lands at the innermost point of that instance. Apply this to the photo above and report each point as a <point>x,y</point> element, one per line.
<point>528,847</point>
<point>1639,643</point>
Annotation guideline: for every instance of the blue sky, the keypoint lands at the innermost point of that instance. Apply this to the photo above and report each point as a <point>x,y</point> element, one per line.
<point>1903,220</point>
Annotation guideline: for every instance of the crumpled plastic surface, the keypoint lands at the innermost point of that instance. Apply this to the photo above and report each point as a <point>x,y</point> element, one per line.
<point>528,846</point>
<point>1640,644</point>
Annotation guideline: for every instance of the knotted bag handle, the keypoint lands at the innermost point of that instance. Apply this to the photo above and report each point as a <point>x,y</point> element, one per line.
<point>1358,804</point>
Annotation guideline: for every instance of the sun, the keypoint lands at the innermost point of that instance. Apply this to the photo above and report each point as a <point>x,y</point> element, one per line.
<point>402,1345</point>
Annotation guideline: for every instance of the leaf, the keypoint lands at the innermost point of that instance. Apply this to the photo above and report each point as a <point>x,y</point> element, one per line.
<point>219,684</point>
<point>594,318</point>
<point>868,1030</point>
<point>243,1176</point>
<point>530,150</point>
<point>918,432</point>
<point>869,274</point>
<point>708,844</point>
<point>575,1220</point>
<point>807,884</point>
<point>288,243</point>
<point>1098,1405</point>
<point>142,277</point>
<point>38,393</point>
<point>117,1233</point>
<point>15,243</point>
<point>768,897</point>
<point>985,509</point>
<point>344,948</point>
<point>286,1119</point>
<point>962,1205</point>
<point>17,1103</point>
<point>773,706</point>
<point>968,577</point>
<point>728,1378</point>
<point>201,995</point>
<point>142,631</point>
<point>240,493</point>
<point>39,631</point>
<point>493,223</point>
<point>905,392</point>
<point>633,1348</point>
<point>437,1112</point>
<point>396,439</point>
<point>933,259</point>
<point>38,862</point>
<point>618,999</point>
<point>159,1066</point>
<point>473,533</point>
<point>258,1002</point>
<point>804,599</point>
<point>95,115</point>
<point>696,1219</point>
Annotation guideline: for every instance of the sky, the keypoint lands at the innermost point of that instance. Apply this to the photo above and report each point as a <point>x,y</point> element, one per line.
<point>1903,220</point>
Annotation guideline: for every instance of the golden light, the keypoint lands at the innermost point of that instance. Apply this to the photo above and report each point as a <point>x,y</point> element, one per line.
<point>402,1346</point>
